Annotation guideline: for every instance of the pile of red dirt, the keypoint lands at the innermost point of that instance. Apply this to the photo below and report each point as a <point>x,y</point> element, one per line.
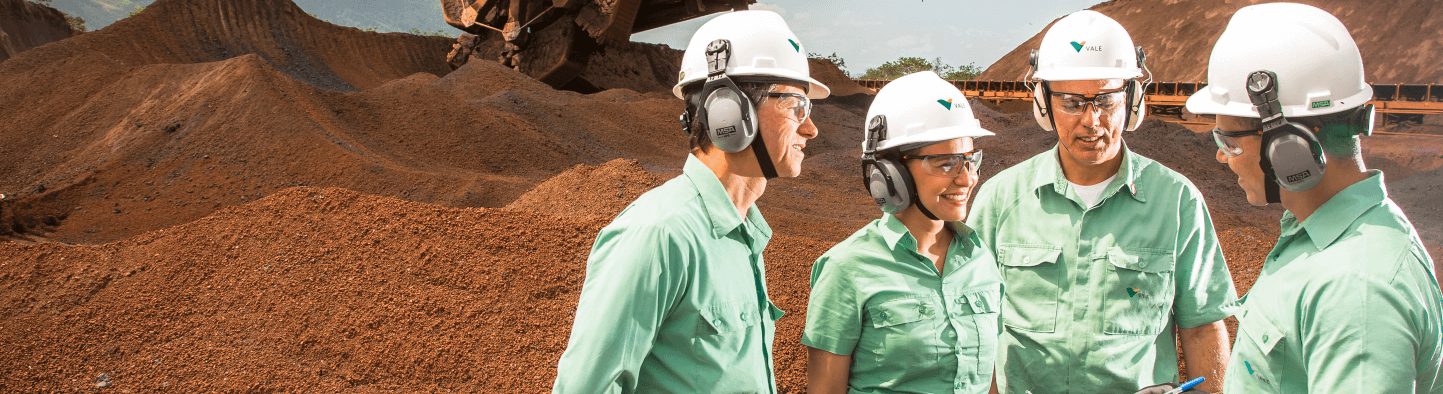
<point>1179,36</point>
<point>105,147</point>
<point>321,54</point>
<point>25,25</point>
<point>598,191</point>
<point>308,290</point>
<point>157,236</point>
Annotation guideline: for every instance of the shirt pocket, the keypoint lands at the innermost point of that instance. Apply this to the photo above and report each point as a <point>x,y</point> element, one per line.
<point>725,327</point>
<point>1139,292</point>
<point>1255,352</point>
<point>975,318</point>
<point>896,333</point>
<point>1032,274</point>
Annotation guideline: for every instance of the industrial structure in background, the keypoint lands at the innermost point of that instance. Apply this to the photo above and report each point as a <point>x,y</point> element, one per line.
<point>552,40</point>
<point>1169,97</point>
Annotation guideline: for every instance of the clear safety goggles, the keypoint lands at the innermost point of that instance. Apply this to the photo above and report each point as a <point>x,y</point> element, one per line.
<point>799,105</point>
<point>1075,104</point>
<point>1228,140</point>
<point>950,165</point>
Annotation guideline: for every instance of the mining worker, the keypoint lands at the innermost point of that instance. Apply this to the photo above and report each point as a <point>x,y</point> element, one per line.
<point>675,297</point>
<point>1103,252</point>
<point>909,303</point>
<point>1348,300</point>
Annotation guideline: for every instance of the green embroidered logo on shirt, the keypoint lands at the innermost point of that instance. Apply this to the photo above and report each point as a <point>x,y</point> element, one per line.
<point>1131,292</point>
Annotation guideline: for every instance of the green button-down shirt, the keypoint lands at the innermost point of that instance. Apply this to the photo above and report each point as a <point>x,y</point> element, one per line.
<point>1347,302</point>
<point>908,329</point>
<point>1093,292</point>
<point>675,298</point>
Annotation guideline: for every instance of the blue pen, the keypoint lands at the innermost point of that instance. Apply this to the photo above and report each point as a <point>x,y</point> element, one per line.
<point>1185,386</point>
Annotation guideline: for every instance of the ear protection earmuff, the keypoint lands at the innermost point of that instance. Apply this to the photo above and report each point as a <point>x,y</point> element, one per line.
<point>884,175</point>
<point>1042,93</point>
<point>1292,156</point>
<point>726,112</point>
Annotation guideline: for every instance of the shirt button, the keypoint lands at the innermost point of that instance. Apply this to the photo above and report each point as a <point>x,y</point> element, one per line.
<point>1265,337</point>
<point>1026,260</point>
<point>744,316</point>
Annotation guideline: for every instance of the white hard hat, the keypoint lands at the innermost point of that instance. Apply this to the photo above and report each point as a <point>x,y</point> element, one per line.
<point>920,109</point>
<point>1086,45</point>
<point>1318,65</point>
<point>762,46</point>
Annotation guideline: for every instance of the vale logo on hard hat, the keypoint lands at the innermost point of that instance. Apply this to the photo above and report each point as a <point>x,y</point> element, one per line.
<point>945,103</point>
<point>795,45</point>
<point>1080,45</point>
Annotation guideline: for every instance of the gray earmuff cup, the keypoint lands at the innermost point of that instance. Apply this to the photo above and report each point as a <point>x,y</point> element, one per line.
<point>1295,163</point>
<point>729,120</point>
<point>889,202</point>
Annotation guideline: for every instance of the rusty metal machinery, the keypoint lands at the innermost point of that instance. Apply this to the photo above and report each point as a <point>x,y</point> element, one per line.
<point>552,40</point>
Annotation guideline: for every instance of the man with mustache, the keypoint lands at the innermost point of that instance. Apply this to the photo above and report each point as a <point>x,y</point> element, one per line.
<point>1103,252</point>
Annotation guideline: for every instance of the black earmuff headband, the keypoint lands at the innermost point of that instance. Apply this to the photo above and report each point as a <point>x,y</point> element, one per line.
<point>1262,90</point>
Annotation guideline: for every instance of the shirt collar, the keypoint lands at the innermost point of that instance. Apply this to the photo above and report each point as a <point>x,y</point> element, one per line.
<point>719,207</point>
<point>1336,215</point>
<point>1128,173</point>
<point>893,231</point>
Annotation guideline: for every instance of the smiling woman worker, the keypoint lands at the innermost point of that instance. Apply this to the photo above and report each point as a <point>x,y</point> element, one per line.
<point>908,304</point>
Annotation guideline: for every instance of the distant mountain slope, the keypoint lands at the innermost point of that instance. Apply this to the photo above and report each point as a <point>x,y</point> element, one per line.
<point>383,15</point>
<point>25,25</point>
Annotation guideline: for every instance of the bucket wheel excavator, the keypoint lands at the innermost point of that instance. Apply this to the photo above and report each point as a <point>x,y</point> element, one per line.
<point>552,40</point>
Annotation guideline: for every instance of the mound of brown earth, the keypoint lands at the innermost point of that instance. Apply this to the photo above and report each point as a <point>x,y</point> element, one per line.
<point>1179,36</point>
<point>827,73</point>
<point>308,290</point>
<point>599,191</point>
<point>102,150</point>
<point>25,25</point>
<point>283,36</point>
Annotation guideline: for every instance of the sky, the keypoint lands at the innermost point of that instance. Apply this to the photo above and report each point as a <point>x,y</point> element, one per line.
<point>861,32</point>
<point>866,35</point>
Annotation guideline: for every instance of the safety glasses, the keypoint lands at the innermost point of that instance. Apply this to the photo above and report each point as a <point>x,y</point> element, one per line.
<point>1228,140</point>
<point>950,165</point>
<point>797,103</point>
<point>1075,104</point>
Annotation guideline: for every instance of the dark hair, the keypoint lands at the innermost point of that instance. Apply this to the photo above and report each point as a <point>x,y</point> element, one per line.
<point>699,139</point>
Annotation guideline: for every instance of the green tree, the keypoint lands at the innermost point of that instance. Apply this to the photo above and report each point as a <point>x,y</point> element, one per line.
<point>907,65</point>
<point>897,68</point>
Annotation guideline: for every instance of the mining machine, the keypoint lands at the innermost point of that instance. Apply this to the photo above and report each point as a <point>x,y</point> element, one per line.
<point>552,40</point>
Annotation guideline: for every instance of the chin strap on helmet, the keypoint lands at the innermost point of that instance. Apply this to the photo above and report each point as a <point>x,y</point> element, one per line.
<point>923,208</point>
<point>764,160</point>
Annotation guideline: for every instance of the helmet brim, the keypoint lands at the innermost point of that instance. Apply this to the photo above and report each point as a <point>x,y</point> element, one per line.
<point>936,135</point>
<point>1211,100</point>
<point>815,90</point>
<point>1086,73</point>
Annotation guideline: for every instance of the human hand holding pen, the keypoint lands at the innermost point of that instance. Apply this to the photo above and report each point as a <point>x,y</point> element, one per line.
<point>1174,388</point>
